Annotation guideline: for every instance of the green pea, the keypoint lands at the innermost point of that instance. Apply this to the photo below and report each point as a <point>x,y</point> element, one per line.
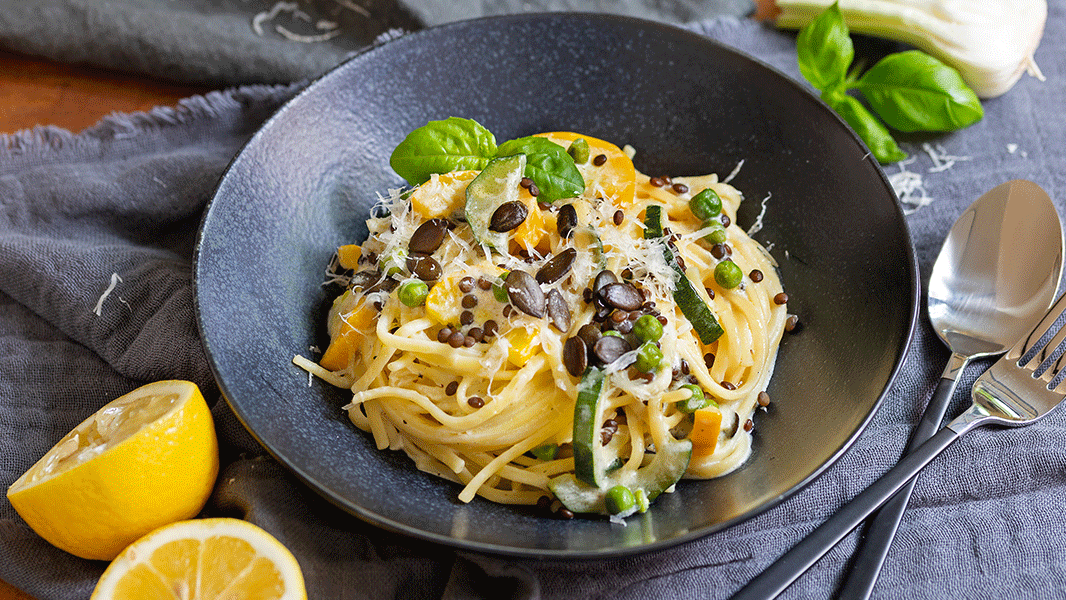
<point>413,292</point>
<point>716,235</point>
<point>498,291</point>
<point>728,274</point>
<point>619,499</point>
<point>648,357</point>
<point>647,328</point>
<point>697,401</point>
<point>579,151</point>
<point>546,452</point>
<point>394,262</point>
<point>643,503</point>
<point>706,205</point>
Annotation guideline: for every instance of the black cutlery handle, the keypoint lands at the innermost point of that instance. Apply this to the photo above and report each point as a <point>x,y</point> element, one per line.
<point>882,527</point>
<point>796,561</point>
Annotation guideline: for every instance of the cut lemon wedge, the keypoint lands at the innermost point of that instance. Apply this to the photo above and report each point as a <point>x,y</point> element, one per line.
<point>144,460</point>
<point>204,559</point>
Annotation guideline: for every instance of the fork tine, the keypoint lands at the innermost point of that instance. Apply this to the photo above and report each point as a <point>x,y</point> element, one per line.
<point>1027,343</point>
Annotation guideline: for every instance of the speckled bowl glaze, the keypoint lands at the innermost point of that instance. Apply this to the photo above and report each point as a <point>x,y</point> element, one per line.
<point>304,185</point>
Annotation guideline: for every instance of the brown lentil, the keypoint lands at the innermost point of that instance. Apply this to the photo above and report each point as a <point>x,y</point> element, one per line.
<point>748,425</point>
<point>466,284</point>
<point>544,503</point>
<point>662,319</point>
<point>684,367</point>
<point>728,385</point>
<point>657,182</point>
<point>708,359</point>
<point>451,388</point>
<point>791,323</point>
<point>469,341</point>
<point>444,334</point>
<point>491,328</point>
<point>721,251</point>
<point>781,298</point>
<point>456,339</point>
<point>619,217</point>
<point>755,275</point>
<point>534,190</point>
<point>710,293</point>
<point>526,182</point>
<point>484,283</point>
<point>680,188</point>
<point>726,220</point>
<point>599,160</point>
<point>618,316</point>
<point>477,333</point>
<point>466,317</point>
<point>764,399</point>
<point>475,401</point>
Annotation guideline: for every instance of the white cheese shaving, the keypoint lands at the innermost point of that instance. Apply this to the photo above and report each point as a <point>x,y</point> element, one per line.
<point>942,161</point>
<point>352,6</point>
<point>328,29</point>
<point>115,280</point>
<point>757,225</point>
<point>734,172</point>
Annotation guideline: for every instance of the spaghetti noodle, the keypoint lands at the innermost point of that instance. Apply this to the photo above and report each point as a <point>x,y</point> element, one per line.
<point>483,352</point>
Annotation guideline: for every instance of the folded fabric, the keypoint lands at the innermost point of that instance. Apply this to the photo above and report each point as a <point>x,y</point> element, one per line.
<point>230,42</point>
<point>96,237</point>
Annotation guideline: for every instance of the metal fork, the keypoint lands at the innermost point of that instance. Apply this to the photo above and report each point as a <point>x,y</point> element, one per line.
<point>1020,388</point>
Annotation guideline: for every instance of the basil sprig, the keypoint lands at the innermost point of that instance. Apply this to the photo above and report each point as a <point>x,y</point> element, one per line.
<point>910,91</point>
<point>464,144</point>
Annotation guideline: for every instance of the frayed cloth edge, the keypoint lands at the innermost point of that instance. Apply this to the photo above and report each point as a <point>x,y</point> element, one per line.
<point>43,140</point>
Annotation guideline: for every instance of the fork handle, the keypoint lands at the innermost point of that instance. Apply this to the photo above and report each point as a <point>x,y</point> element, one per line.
<point>881,528</point>
<point>803,555</point>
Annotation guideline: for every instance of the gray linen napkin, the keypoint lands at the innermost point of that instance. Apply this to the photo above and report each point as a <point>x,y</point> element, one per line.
<point>230,42</point>
<point>124,198</point>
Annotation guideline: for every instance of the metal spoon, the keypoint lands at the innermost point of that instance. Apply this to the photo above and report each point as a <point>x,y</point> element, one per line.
<point>997,273</point>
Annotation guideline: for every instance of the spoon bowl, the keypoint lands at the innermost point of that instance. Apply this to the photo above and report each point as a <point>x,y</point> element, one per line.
<point>997,271</point>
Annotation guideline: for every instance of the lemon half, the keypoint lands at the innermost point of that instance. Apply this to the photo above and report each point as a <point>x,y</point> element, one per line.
<point>204,559</point>
<point>144,460</point>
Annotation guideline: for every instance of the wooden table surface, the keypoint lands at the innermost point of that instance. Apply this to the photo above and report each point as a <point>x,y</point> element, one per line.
<point>38,92</point>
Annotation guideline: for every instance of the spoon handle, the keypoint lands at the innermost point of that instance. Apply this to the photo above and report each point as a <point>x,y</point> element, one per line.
<point>881,529</point>
<point>796,561</point>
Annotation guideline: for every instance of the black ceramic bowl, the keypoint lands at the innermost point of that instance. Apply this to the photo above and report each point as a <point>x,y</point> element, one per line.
<point>305,182</point>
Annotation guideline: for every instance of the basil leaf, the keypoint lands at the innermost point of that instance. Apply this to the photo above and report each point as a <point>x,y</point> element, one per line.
<point>453,144</point>
<point>824,50</point>
<point>913,91</point>
<point>548,165</point>
<point>872,131</point>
